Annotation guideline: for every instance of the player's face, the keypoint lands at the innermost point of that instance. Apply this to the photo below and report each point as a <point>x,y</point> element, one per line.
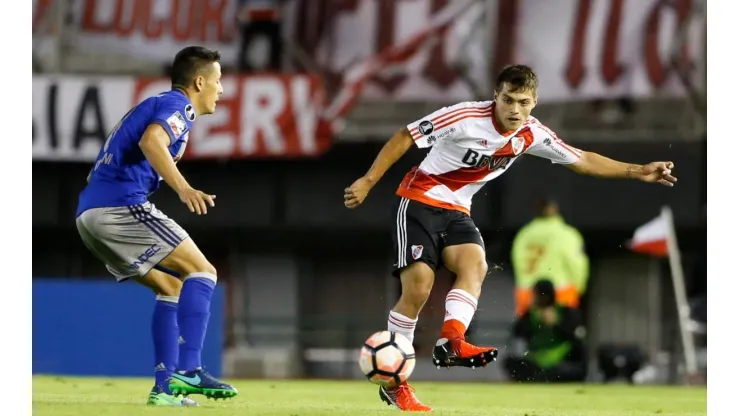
<point>211,89</point>
<point>513,106</point>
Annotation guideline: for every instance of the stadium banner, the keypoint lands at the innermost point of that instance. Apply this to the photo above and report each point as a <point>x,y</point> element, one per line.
<point>97,327</point>
<point>257,116</point>
<point>597,48</point>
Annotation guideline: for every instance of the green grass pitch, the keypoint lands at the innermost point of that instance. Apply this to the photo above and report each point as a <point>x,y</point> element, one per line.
<point>68,396</point>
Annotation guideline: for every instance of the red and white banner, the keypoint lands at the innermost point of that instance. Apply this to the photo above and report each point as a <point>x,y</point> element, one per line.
<point>580,49</point>
<point>652,238</point>
<point>257,116</point>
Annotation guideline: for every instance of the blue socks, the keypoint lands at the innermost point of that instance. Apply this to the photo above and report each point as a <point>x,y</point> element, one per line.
<point>192,317</point>
<point>164,335</point>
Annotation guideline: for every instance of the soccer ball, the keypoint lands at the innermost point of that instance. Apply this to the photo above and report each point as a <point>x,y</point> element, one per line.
<point>387,358</point>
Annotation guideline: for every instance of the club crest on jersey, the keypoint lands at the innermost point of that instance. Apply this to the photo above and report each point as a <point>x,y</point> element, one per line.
<point>477,160</point>
<point>416,252</point>
<point>517,144</point>
<point>426,127</point>
<point>190,112</point>
<point>177,124</point>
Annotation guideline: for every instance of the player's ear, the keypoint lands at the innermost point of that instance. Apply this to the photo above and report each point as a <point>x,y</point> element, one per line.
<point>199,83</point>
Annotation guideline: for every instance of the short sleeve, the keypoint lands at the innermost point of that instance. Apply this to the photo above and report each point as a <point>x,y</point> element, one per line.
<point>547,145</point>
<point>444,124</point>
<point>173,116</point>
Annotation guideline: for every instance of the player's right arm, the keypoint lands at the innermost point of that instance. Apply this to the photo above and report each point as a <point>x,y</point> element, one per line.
<point>393,149</point>
<point>443,123</point>
<point>154,144</point>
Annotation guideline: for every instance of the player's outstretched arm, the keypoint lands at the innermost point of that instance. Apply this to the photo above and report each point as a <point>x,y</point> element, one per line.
<point>396,147</point>
<point>154,146</point>
<point>594,164</point>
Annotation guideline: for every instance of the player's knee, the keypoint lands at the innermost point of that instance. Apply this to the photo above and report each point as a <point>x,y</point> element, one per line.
<point>196,266</point>
<point>189,262</point>
<point>475,272</point>
<point>417,282</point>
<point>170,289</point>
<point>481,269</point>
<point>207,268</point>
<point>204,270</point>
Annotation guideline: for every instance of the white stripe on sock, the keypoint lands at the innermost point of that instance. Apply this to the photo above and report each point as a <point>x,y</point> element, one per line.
<point>402,325</point>
<point>202,275</point>
<point>171,299</point>
<point>460,306</point>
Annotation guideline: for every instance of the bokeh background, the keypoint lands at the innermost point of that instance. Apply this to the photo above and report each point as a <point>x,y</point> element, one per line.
<point>313,88</point>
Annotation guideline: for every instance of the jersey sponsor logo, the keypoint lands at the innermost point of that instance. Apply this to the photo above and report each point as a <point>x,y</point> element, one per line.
<point>548,143</point>
<point>190,112</point>
<point>477,160</point>
<point>177,124</point>
<point>426,127</point>
<point>416,252</point>
<point>444,133</point>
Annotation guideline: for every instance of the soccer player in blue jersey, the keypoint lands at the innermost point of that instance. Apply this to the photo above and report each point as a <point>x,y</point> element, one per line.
<point>136,241</point>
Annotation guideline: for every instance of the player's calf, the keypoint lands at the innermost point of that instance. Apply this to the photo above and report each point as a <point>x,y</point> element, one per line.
<point>199,283</point>
<point>451,348</point>
<point>416,284</point>
<point>467,261</point>
<point>193,315</point>
<point>164,328</point>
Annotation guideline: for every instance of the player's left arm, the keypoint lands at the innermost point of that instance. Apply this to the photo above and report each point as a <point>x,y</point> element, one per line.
<point>594,164</point>
<point>547,145</point>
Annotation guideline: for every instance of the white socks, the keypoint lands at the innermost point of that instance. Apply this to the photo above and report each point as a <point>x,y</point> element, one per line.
<point>402,324</point>
<point>460,306</point>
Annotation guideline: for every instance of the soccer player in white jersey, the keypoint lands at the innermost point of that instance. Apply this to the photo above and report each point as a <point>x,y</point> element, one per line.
<point>471,144</point>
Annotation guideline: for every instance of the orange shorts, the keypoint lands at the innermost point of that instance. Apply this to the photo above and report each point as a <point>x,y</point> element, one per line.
<point>565,295</point>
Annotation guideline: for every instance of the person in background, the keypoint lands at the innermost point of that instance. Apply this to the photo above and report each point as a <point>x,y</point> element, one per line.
<point>260,26</point>
<point>548,248</point>
<point>553,334</point>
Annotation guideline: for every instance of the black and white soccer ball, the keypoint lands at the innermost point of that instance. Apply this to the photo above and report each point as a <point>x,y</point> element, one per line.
<point>387,358</point>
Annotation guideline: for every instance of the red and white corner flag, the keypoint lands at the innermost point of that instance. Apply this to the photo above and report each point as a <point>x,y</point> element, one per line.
<point>651,238</point>
<point>658,238</point>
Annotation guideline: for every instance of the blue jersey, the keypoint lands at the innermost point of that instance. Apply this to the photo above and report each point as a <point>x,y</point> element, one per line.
<point>122,175</point>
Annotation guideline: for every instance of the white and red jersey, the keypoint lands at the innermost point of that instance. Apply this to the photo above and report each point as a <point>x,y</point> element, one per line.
<point>470,149</point>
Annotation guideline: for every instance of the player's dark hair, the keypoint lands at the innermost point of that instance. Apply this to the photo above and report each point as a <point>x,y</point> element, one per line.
<point>188,63</point>
<point>520,77</point>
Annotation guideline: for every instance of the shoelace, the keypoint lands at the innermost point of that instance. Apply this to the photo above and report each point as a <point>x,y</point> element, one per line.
<point>404,388</point>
